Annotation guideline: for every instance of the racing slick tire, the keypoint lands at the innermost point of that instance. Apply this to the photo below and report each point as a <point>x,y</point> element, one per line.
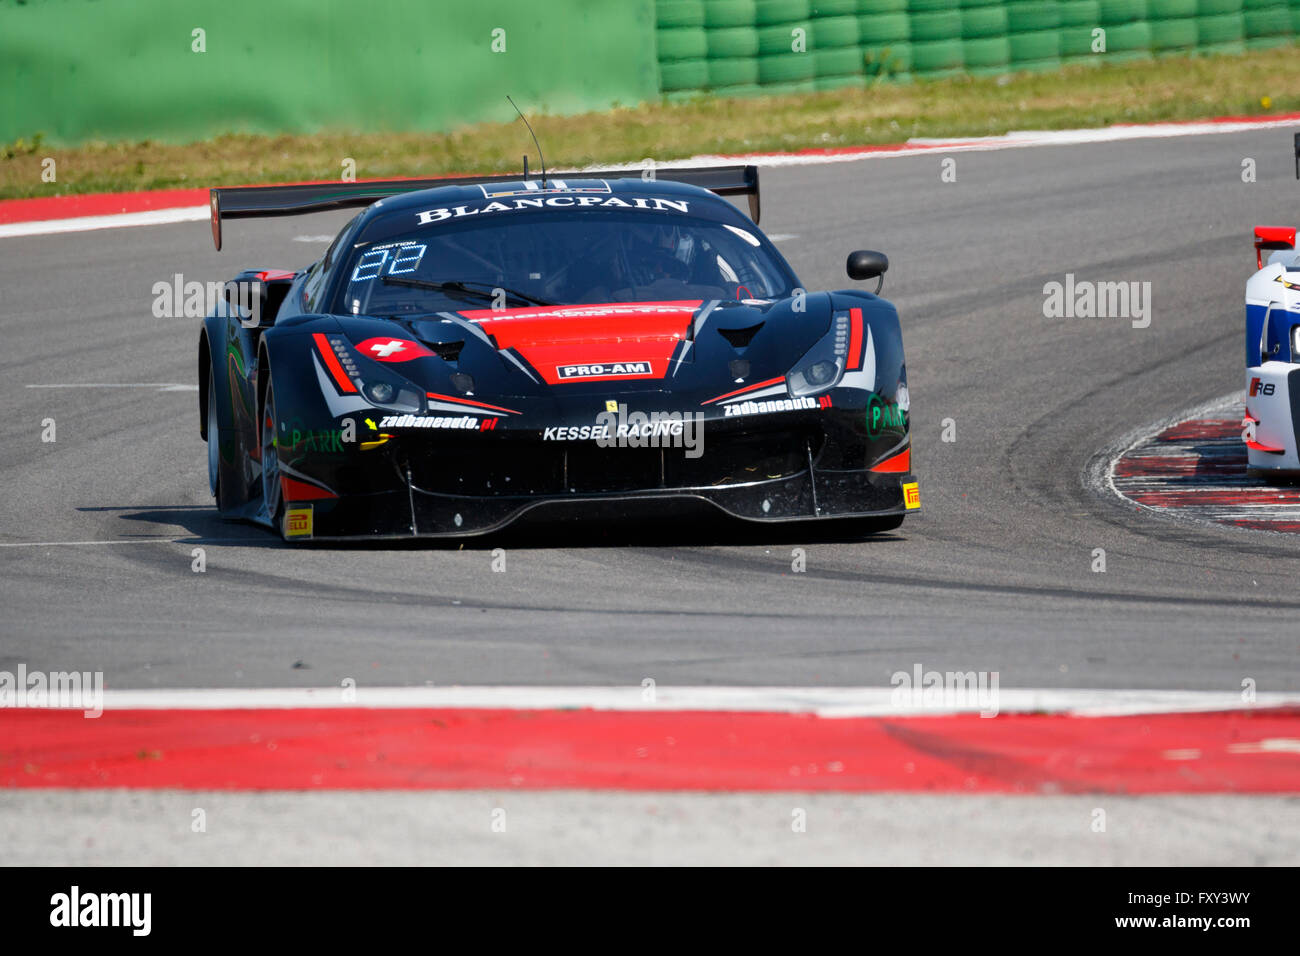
<point>214,437</point>
<point>272,488</point>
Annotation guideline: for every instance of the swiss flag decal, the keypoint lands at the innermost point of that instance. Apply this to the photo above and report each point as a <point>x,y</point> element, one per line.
<point>385,349</point>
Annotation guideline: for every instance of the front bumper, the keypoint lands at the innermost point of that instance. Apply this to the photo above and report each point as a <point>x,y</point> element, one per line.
<point>792,466</point>
<point>806,496</point>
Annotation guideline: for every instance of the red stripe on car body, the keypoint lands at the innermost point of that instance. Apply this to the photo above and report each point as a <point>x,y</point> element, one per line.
<point>741,391</point>
<point>855,339</point>
<point>332,363</point>
<point>902,462</point>
<point>467,401</point>
<point>295,490</point>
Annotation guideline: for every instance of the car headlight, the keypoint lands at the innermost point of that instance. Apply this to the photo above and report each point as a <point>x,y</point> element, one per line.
<point>823,364</point>
<point>1295,343</point>
<point>380,386</point>
<point>400,396</point>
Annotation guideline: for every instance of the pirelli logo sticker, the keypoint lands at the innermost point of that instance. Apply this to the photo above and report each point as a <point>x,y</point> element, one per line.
<point>297,522</point>
<point>911,496</point>
<point>568,373</point>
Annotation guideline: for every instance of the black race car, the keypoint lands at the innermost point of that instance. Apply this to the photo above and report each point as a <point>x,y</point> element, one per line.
<point>471,350</point>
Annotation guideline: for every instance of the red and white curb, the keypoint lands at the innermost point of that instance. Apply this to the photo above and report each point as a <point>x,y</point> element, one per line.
<point>80,213</point>
<point>858,740</point>
<point>1193,466</point>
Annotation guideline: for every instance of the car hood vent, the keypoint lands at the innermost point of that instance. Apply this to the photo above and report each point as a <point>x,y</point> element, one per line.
<point>740,338</point>
<point>448,351</point>
<point>446,339</point>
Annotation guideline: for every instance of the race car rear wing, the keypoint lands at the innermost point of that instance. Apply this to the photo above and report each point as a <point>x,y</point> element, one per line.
<point>244,202</point>
<point>1272,238</point>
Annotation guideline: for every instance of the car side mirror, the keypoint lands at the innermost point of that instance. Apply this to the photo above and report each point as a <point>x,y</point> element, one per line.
<point>866,264</point>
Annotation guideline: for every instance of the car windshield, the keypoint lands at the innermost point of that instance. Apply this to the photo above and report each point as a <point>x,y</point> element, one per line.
<point>554,258</point>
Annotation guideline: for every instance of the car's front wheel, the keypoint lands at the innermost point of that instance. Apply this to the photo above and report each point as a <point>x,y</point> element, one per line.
<point>272,490</point>
<point>214,438</point>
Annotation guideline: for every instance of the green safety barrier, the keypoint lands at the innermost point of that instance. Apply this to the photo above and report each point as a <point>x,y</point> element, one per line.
<point>1077,43</point>
<point>1171,9</point>
<point>734,72</point>
<point>783,38</point>
<point>677,75</point>
<point>1121,11</point>
<point>1080,13</point>
<point>937,56</point>
<point>682,43</point>
<point>925,6</point>
<point>781,11</point>
<point>936,25</point>
<point>1128,38</point>
<point>1227,28</point>
<point>826,33</point>
<point>840,42</point>
<point>720,14</point>
<point>77,70</point>
<point>1173,35</point>
<point>1035,47</point>
<point>986,53</point>
<point>871,8</point>
<point>1033,17</point>
<point>785,68</point>
<point>727,42</point>
<point>833,8</point>
<point>884,28</point>
<point>680,13</point>
<point>844,61</point>
<point>978,23</point>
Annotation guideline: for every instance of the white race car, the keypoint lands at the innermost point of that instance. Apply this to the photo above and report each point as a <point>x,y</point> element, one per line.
<point>1273,352</point>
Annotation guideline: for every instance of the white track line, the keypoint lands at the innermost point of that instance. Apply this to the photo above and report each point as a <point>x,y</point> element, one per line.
<point>821,701</point>
<point>161,386</point>
<point>79,544</point>
<point>1014,140</point>
<point>152,217</point>
<point>915,147</point>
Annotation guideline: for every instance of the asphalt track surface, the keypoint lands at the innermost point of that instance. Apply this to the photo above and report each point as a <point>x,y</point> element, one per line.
<point>134,827</point>
<point>994,574</point>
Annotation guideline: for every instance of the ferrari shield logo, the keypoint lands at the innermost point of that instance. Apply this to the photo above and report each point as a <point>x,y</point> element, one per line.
<point>297,522</point>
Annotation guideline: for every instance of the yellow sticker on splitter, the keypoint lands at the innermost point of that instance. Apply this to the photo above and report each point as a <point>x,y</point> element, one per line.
<point>911,496</point>
<point>297,522</point>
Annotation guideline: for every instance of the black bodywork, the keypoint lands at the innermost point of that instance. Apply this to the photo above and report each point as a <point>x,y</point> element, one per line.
<point>508,436</point>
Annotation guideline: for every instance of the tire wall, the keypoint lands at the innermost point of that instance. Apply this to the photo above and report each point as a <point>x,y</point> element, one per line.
<point>741,47</point>
<point>79,70</point>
